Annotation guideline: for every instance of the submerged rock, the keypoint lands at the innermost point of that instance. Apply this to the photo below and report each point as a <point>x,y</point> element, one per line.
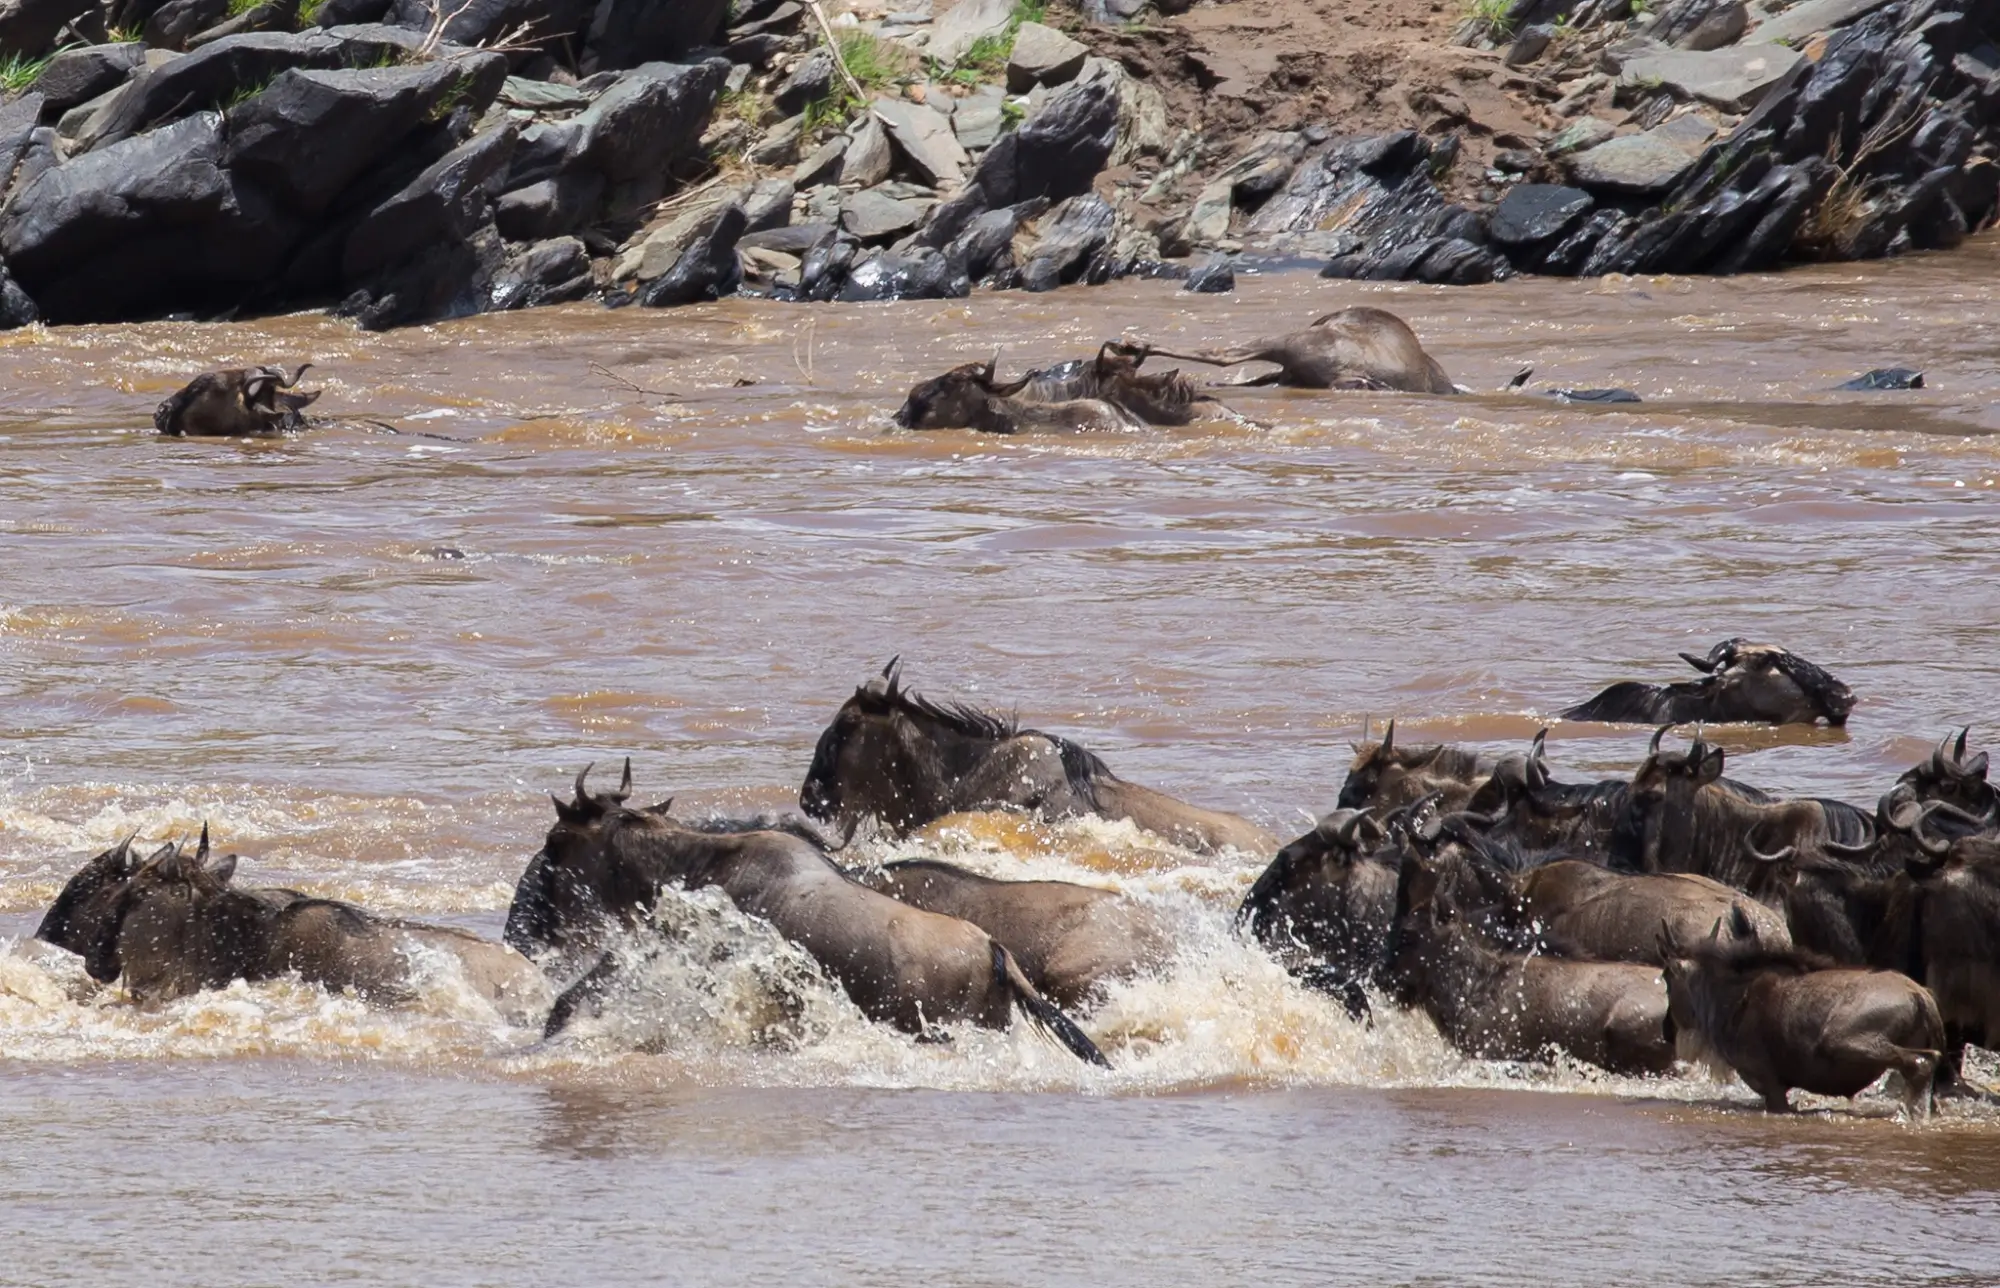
<point>1882,378</point>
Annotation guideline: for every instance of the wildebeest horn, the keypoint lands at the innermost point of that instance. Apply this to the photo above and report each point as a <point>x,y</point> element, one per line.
<point>1936,847</point>
<point>1653,747</point>
<point>1389,738</point>
<point>284,383</point>
<point>1958,751</point>
<point>201,851</point>
<point>1845,851</point>
<point>582,794</point>
<point>1539,746</point>
<point>624,784</point>
<point>1778,857</point>
<point>1941,764</point>
<point>893,674</point>
<point>1701,664</point>
<point>123,850</point>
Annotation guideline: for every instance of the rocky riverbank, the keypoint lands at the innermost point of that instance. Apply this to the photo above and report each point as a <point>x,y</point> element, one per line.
<point>398,162</point>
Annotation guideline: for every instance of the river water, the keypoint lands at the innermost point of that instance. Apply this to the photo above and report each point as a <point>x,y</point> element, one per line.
<point>365,658</point>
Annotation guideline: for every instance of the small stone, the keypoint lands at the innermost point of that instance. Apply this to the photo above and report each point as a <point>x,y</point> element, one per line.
<point>812,79</point>
<point>823,166</point>
<point>780,144</point>
<point>1578,135</point>
<point>1043,56</point>
<point>1515,161</point>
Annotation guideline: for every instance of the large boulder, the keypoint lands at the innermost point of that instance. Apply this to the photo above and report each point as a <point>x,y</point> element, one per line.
<point>918,273</point>
<point>1795,24</point>
<point>548,272</point>
<point>1043,56</point>
<point>29,27</point>
<point>209,79</point>
<point>17,125</point>
<point>78,75</point>
<point>1061,149</point>
<point>924,138</point>
<point>708,268</point>
<point>430,250</point>
<point>1536,212</point>
<point>314,132</point>
<point>550,207</point>
<point>627,33</point>
<point>1637,164</point>
<point>16,309</point>
<point>649,118</point>
<point>149,226</point>
<point>1069,238</point>
<point>475,22</point>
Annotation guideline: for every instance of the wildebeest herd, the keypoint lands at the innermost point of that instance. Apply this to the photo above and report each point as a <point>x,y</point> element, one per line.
<point>1673,915</point>
<point>1349,349</point>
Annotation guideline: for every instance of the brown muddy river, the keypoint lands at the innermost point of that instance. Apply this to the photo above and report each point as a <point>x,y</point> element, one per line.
<point>366,658</point>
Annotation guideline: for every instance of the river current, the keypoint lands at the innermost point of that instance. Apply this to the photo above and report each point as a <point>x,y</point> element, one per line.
<point>365,658</point>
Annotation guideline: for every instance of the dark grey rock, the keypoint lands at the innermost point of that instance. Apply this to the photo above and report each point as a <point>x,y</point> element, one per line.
<point>16,309</point>
<point>793,239</point>
<point>1043,56</point>
<point>444,204</point>
<point>707,269</point>
<point>1533,212</point>
<point>1215,277</point>
<point>650,117</point>
<point>1530,44</point>
<point>629,33</point>
<point>78,75</point>
<point>1699,24</point>
<point>769,204</point>
<point>210,78</point>
<point>986,244</point>
<point>869,216</point>
<point>825,266</point>
<point>343,13</point>
<point>311,133</point>
<point>548,272</point>
<point>823,165</point>
<point>474,22</point>
<point>919,273</point>
<point>1733,79</point>
<point>1067,239</point>
<point>923,137</point>
<point>17,126</point>
<point>1591,395</point>
<point>811,80</point>
<point>550,207</point>
<point>175,23</point>
<point>1058,151</point>
<point>29,27</point>
<point>146,227</point>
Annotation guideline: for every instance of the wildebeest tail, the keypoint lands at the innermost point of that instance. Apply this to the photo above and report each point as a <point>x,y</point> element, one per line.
<point>1044,1014</point>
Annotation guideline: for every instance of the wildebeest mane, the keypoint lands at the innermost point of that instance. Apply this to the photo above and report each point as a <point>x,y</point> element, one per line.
<point>961,718</point>
<point>790,825</point>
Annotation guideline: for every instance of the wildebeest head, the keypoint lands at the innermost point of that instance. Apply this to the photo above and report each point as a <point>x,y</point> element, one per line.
<point>1762,682</point>
<point>955,400</point>
<point>1660,808</point>
<point>91,896</point>
<point>1308,885</point>
<point>1386,776</point>
<point>1950,776</point>
<point>1926,835</point>
<point>570,889</point>
<point>162,896</point>
<point>247,401</point>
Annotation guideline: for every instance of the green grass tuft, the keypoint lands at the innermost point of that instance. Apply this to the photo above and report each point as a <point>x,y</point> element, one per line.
<point>18,72</point>
<point>237,8</point>
<point>309,12</point>
<point>876,63</point>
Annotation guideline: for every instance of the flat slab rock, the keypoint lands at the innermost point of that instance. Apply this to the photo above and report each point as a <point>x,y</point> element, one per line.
<point>1532,212</point>
<point>961,26</point>
<point>870,215</point>
<point>1732,79</point>
<point>1638,164</point>
<point>1809,19</point>
<point>925,137</point>
<point>1043,56</point>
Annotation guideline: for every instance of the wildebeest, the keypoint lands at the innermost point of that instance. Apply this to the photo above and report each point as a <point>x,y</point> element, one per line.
<point>1949,776</point>
<point>1385,776</point>
<point>1742,683</point>
<point>903,966</point>
<point>1325,905</point>
<point>236,404</point>
<point>1070,939</point>
<point>968,397</point>
<point>1359,348</point>
<point>178,927</point>
<point>1511,1006</point>
<point>905,760</point>
<point>1681,819</point>
<point>1581,910</point>
<point>1113,376</point>
<point>89,899</point>
<point>1785,1018</point>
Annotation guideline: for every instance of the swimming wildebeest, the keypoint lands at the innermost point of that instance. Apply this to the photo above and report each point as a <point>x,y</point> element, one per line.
<point>178,927</point>
<point>1680,818</point>
<point>1742,683</point>
<point>604,863</point>
<point>1385,776</point>
<point>1106,393</point>
<point>236,404</point>
<point>1070,939</point>
<point>1359,348</point>
<point>1785,1018</point>
<point>1511,1006</point>
<point>906,760</point>
<point>1325,905</point>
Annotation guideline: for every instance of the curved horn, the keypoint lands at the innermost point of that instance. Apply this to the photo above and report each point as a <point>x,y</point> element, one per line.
<point>1940,763</point>
<point>1538,749</point>
<point>1701,664</point>
<point>1958,750</point>
<point>1749,843</point>
<point>201,851</point>
<point>1936,847</point>
<point>287,383</point>
<point>1842,850</point>
<point>893,673</point>
<point>582,794</point>
<point>624,784</point>
<point>123,850</point>
<point>1389,739</point>
<point>1653,747</point>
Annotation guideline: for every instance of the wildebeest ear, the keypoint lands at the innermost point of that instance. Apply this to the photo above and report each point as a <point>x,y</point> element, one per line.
<point>220,870</point>
<point>1711,767</point>
<point>201,851</point>
<point>661,809</point>
<point>1974,768</point>
<point>1715,931</point>
<point>1739,922</point>
<point>567,812</point>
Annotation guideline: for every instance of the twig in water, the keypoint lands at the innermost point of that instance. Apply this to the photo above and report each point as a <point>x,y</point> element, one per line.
<point>606,372</point>
<point>806,367</point>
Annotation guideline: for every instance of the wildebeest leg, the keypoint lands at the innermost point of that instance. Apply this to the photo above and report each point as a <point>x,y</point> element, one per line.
<point>1325,979</point>
<point>588,989</point>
